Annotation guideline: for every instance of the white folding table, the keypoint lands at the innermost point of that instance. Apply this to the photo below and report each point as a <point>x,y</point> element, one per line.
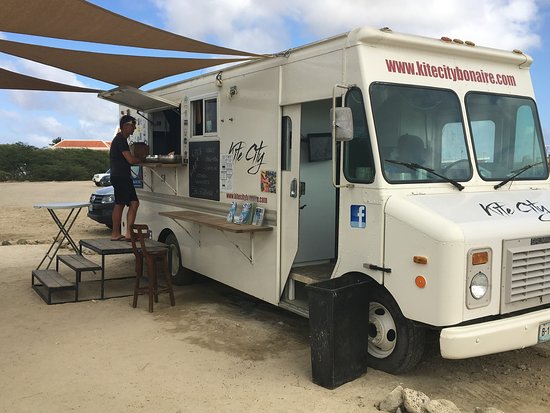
<point>64,227</point>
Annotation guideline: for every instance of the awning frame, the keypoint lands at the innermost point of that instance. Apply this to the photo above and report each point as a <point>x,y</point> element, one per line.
<point>138,99</point>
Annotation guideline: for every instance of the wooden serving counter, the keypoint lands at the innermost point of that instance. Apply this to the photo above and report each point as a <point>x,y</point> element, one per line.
<point>159,164</point>
<point>213,221</point>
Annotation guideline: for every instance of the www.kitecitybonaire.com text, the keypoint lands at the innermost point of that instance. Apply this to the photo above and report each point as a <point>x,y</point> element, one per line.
<point>455,74</point>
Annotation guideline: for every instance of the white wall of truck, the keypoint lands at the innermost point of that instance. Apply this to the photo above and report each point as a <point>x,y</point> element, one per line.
<point>429,219</point>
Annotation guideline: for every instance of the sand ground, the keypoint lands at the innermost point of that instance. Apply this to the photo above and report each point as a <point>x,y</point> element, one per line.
<point>215,351</point>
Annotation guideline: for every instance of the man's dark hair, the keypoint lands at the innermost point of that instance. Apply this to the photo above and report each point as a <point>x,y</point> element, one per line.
<point>126,119</point>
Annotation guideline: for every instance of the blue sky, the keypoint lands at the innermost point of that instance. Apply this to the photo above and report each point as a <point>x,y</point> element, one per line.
<point>264,26</point>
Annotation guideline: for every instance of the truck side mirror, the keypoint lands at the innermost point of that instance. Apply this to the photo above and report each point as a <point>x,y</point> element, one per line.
<point>342,129</point>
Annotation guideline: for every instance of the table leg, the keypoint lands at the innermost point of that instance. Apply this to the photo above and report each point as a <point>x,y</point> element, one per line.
<point>102,276</point>
<point>76,281</point>
<point>61,235</point>
<point>64,229</point>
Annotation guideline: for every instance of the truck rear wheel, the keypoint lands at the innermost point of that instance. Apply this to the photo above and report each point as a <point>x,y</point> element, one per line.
<point>396,344</point>
<point>180,275</point>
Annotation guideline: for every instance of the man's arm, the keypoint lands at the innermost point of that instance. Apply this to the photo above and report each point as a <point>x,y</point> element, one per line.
<point>130,158</point>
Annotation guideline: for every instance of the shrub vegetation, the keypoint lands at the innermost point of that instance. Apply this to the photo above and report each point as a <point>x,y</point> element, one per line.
<point>21,162</point>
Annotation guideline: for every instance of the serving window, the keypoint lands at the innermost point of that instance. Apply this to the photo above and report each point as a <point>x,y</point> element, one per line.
<point>166,132</point>
<point>204,114</point>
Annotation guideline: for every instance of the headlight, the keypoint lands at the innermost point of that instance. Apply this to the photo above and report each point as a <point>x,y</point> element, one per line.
<point>478,278</point>
<point>109,199</point>
<point>479,285</point>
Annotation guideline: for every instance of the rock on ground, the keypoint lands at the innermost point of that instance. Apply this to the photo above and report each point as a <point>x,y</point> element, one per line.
<point>414,401</point>
<point>404,400</point>
<point>392,401</point>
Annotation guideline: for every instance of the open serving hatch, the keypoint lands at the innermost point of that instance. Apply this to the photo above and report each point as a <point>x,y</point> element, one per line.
<point>137,99</point>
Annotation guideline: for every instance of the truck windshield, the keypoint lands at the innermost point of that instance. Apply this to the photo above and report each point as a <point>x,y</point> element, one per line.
<point>506,137</point>
<point>422,126</point>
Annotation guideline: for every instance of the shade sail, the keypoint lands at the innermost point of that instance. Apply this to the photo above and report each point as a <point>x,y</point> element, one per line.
<point>12,80</point>
<point>120,70</point>
<point>84,21</point>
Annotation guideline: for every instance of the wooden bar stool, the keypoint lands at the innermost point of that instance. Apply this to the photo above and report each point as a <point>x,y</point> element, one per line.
<point>139,233</point>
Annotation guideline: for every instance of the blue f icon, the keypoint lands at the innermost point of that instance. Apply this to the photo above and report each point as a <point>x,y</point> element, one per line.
<point>358,216</point>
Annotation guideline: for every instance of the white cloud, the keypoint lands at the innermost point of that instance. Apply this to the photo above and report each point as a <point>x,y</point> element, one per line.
<point>244,24</point>
<point>264,26</point>
<point>44,116</point>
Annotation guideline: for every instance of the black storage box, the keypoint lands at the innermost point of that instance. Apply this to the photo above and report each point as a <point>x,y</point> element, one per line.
<point>338,323</point>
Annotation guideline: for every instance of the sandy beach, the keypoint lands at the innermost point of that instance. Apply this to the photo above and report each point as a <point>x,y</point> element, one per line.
<point>217,350</point>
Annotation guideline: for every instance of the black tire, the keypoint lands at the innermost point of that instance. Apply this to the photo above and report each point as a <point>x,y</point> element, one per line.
<point>180,275</point>
<point>396,344</point>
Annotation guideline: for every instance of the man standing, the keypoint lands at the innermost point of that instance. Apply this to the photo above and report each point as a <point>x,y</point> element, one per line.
<point>121,160</point>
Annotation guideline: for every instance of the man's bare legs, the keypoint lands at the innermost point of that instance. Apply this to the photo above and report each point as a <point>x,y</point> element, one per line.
<point>117,219</point>
<point>131,216</point>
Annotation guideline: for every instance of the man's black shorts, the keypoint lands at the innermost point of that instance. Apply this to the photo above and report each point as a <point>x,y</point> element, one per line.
<point>124,190</point>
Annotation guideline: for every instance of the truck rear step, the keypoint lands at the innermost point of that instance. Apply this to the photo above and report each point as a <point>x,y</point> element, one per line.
<point>295,297</point>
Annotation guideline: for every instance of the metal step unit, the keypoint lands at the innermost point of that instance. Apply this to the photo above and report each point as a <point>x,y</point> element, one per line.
<point>79,264</point>
<point>295,297</point>
<point>50,281</point>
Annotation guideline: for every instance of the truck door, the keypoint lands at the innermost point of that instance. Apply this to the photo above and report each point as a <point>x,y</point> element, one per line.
<point>290,189</point>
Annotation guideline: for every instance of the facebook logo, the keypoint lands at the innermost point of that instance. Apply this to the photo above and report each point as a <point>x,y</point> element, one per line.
<point>358,216</point>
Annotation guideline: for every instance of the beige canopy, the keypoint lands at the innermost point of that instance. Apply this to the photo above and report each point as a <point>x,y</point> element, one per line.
<point>121,70</point>
<point>12,80</point>
<point>84,21</point>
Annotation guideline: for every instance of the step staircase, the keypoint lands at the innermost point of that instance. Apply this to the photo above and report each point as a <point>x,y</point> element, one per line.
<point>47,282</point>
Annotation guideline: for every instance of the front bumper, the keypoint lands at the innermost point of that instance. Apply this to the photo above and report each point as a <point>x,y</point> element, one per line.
<point>102,213</point>
<point>493,336</point>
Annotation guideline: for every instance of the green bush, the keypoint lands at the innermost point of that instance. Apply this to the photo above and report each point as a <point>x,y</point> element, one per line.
<point>21,162</point>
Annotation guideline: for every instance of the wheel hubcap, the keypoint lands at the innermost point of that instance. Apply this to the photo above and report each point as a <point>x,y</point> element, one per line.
<point>382,331</point>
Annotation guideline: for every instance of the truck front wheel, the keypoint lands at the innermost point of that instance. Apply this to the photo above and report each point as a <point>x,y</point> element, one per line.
<point>395,343</point>
<point>180,275</point>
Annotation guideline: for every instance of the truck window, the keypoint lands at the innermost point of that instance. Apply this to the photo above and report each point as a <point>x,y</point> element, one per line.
<point>506,136</point>
<point>166,132</point>
<point>205,116</point>
<point>358,158</point>
<point>419,125</point>
<point>286,144</point>
<point>483,133</point>
<point>452,149</point>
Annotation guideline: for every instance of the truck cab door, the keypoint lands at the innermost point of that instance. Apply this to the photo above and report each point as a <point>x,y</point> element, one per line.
<point>289,207</point>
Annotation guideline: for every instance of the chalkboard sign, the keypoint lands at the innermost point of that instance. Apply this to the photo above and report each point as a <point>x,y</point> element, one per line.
<point>204,170</point>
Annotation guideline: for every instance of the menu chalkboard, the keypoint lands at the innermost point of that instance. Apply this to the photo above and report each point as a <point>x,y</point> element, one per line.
<point>204,170</point>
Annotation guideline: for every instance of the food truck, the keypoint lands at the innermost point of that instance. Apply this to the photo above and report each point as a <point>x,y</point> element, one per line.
<point>416,163</point>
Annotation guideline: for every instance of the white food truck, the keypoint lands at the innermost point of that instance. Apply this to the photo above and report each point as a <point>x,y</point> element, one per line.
<point>416,163</point>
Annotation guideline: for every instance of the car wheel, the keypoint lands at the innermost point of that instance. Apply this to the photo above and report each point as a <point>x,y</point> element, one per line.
<point>395,344</point>
<point>180,275</point>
